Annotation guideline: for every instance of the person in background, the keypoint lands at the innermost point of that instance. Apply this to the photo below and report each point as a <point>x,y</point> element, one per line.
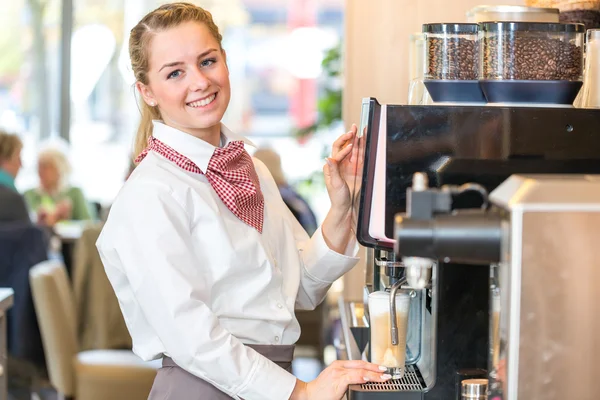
<point>208,263</point>
<point>297,205</point>
<point>12,204</point>
<point>54,200</point>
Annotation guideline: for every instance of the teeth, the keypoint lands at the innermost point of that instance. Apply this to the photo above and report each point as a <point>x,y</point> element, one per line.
<point>203,102</point>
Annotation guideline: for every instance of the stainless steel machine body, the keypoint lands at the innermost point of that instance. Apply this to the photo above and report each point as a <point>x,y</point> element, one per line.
<point>547,317</point>
<point>540,236</point>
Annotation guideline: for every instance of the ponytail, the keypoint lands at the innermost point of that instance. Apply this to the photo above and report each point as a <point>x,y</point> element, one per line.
<point>145,128</point>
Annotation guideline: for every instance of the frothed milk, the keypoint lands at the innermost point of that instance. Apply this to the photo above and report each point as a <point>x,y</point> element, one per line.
<point>383,352</point>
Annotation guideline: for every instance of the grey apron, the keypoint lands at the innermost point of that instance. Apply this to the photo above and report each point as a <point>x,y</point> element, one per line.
<point>174,383</point>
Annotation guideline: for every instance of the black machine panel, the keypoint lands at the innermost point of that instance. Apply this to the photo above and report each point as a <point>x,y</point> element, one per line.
<point>458,144</point>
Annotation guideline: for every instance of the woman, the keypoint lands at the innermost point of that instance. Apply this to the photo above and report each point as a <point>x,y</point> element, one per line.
<point>54,200</point>
<point>12,205</point>
<point>207,261</point>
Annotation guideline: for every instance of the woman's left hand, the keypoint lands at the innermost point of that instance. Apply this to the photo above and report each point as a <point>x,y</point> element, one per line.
<point>339,170</point>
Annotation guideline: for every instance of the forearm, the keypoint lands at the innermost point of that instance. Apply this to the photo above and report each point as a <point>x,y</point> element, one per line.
<point>336,230</point>
<point>299,392</point>
<point>322,266</point>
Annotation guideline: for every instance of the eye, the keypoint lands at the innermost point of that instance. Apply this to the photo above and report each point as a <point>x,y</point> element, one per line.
<point>174,74</point>
<point>208,62</point>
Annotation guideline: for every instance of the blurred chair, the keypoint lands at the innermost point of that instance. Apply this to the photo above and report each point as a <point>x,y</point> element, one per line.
<point>87,375</point>
<point>101,324</point>
<point>22,245</point>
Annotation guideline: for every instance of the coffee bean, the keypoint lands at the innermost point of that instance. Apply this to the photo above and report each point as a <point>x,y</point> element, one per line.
<point>452,58</point>
<point>530,58</point>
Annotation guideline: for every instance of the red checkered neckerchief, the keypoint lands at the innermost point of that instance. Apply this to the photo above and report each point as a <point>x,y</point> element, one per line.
<point>230,172</point>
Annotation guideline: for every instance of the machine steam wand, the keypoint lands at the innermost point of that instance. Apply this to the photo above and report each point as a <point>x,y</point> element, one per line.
<point>393,321</point>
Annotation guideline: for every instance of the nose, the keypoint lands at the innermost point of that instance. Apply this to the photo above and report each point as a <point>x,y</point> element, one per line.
<point>199,80</point>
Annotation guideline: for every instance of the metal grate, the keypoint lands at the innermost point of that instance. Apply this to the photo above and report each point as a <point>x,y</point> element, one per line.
<point>410,382</point>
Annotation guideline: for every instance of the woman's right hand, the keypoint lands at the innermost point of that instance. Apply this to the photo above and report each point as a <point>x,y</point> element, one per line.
<point>45,218</point>
<point>63,210</point>
<point>333,382</point>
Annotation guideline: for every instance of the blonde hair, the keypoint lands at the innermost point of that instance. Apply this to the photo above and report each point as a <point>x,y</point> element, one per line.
<point>9,145</point>
<point>164,17</point>
<point>60,162</point>
<point>273,162</point>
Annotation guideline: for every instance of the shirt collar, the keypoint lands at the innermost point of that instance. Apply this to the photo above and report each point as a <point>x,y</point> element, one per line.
<point>196,149</point>
<point>7,180</point>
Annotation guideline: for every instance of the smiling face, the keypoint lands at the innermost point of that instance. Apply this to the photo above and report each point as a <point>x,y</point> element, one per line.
<point>188,80</point>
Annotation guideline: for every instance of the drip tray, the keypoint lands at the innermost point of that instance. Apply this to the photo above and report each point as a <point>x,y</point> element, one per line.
<point>411,384</point>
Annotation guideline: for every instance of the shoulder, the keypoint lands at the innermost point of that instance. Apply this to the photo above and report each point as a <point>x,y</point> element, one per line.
<point>156,174</point>
<point>8,193</point>
<point>12,205</point>
<point>74,192</point>
<point>138,209</point>
<point>31,193</point>
<point>153,180</point>
<point>150,202</point>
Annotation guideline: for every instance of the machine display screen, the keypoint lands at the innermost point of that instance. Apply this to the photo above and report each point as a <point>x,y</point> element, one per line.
<point>358,151</point>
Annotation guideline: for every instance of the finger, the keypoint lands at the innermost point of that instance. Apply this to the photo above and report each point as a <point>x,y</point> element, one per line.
<point>375,376</point>
<point>353,154</point>
<point>327,174</point>
<point>340,155</point>
<point>342,140</point>
<point>359,364</point>
<point>332,173</point>
<point>355,376</point>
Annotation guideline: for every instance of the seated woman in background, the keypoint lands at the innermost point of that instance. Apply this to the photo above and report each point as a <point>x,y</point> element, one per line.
<point>12,205</point>
<point>54,200</point>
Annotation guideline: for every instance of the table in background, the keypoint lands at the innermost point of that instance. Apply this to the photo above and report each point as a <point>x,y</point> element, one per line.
<point>69,232</point>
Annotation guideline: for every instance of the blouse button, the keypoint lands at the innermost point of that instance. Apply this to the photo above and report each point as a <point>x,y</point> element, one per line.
<point>279,305</point>
<point>277,339</point>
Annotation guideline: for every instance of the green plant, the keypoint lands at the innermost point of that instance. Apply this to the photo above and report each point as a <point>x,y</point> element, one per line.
<point>329,104</point>
<point>329,107</point>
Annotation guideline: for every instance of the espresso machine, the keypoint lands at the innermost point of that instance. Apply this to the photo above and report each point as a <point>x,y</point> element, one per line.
<point>539,238</point>
<point>420,167</point>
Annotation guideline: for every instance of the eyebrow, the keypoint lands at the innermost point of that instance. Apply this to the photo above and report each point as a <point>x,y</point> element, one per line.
<point>173,64</point>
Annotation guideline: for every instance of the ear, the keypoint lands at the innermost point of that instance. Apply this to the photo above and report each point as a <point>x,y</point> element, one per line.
<point>146,94</point>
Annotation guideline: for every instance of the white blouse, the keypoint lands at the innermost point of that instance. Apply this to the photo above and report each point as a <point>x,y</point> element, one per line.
<point>194,282</point>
